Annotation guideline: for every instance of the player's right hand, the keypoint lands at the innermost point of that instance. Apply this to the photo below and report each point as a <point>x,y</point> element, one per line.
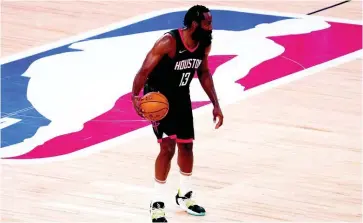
<point>136,103</point>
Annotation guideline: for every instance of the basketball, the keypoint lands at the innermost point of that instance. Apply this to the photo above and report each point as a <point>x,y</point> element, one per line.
<point>154,106</point>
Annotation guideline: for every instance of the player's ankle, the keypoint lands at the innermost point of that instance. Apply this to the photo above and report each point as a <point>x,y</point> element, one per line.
<point>159,190</point>
<point>185,182</point>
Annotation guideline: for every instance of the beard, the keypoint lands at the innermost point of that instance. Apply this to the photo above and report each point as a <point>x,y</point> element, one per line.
<point>203,36</point>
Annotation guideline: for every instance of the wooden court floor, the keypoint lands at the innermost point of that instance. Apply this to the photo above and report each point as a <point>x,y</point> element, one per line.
<point>274,160</point>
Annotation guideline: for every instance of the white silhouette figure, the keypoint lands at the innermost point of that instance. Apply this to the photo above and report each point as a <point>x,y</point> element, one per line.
<point>72,88</point>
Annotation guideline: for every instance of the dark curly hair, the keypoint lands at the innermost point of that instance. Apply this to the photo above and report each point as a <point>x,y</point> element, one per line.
<point>195,13</point>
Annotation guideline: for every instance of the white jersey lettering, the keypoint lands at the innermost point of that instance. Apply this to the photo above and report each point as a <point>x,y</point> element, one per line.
<point>187,64</point>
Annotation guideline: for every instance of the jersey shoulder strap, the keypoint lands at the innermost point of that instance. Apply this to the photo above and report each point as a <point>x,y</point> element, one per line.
<point>175,33</point>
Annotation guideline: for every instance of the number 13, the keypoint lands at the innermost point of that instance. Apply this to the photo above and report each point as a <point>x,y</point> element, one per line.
<point>184,79</point>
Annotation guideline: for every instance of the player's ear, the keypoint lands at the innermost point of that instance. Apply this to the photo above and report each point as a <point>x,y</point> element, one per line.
<point>194,25</point>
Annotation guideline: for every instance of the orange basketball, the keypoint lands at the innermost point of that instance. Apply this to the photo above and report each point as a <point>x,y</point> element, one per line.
<point>154,106</point>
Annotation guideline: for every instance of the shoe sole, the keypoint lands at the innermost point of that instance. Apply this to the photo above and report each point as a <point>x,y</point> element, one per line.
<point>194,213</point>
<point>190,211</point>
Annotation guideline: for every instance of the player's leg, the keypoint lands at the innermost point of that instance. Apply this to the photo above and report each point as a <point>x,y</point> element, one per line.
<point>185,137</point>
<point>163,160</point>
<point>162,168</point>
<point>184,197</point>
<point>167,144</point>
<point>165,134</point>
<point>185,163</point>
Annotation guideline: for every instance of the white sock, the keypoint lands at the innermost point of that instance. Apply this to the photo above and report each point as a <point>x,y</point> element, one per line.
<point>185,183</point>
<point>159,190</point>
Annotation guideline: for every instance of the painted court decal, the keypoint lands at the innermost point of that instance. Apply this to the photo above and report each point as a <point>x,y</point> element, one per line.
<point>76,96</point>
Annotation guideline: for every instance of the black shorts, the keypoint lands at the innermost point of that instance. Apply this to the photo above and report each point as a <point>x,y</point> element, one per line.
<point>178,123</point>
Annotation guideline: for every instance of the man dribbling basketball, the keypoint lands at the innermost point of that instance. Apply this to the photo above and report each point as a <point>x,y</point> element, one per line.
<point>169,68</point>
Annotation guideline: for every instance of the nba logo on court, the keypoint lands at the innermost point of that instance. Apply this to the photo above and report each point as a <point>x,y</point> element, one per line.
<point>74,97</point>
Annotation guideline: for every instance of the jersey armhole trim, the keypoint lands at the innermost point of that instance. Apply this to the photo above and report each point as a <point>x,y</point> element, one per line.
<point>174,37</point>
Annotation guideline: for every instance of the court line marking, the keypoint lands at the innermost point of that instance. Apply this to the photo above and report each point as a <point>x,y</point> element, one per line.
<point>152,14</point>
<point>328,7</point>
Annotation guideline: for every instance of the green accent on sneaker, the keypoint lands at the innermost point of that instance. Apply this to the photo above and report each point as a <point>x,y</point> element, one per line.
<point>157,213</point>
<point>189,202</point>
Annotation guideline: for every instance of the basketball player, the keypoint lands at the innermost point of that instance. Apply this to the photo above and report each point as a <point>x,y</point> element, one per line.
<point>169,68</point>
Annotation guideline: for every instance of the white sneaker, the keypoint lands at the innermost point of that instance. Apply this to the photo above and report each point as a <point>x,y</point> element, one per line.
<point>188,204</point>
<point>157,211</point>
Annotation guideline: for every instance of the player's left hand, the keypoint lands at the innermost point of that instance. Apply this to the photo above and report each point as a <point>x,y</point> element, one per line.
<point>217,112</point>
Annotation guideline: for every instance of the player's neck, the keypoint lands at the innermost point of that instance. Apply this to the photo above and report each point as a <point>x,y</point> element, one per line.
<point>188,40</point>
